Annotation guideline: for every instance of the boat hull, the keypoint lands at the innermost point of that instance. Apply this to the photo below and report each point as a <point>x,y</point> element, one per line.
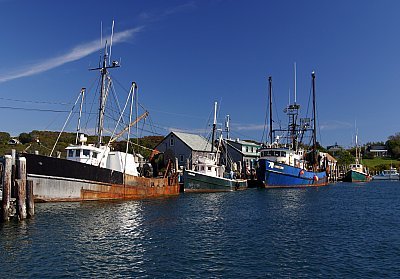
<point>56,179</point>
<point>198,182</point>
<point>356,176</point>
<point>386,177</point>
<point>278,175</point>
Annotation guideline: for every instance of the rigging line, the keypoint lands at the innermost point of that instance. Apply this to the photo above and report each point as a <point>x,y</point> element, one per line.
<point>265,121</point>
<point>276,112</point>
<point>34,102</point>
<point>33,109</point>
<point>176,114</point>
<point>95,81</point>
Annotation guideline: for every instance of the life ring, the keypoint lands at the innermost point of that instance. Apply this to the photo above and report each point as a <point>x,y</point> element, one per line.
<point>316,178</point>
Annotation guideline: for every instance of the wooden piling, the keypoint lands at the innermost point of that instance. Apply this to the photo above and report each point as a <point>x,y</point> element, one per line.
<point>21,188</point>
<point>5,208</point>
<point>30,204</point>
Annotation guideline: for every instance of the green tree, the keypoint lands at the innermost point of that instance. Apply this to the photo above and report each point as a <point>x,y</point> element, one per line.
<point>25,138</point>
<point>393,145</point>
<point>4,137</point>
<point>344,157</point>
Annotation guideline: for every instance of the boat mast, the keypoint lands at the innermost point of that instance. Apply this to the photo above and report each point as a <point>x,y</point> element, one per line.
<point>214,126</point>
<point>103,96</point>
<point>315,123</point>
<point>270,108</point>
<point>78,129</point>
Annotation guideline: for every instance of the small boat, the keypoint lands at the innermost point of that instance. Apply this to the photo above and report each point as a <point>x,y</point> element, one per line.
<point>288,165</point>
<point>391,174</point>
<point>96,171</point>
<point>207,175</point>
<point>357,172</point>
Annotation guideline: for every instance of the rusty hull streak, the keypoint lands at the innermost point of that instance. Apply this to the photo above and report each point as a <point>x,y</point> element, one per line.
<point>136,188</point>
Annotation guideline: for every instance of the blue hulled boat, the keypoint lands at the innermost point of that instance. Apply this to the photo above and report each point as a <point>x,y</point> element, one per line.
<point>276,170</point>
<point>287,164</point>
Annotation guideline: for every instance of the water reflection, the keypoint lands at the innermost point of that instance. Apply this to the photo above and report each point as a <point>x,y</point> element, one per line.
<point>337,231</point>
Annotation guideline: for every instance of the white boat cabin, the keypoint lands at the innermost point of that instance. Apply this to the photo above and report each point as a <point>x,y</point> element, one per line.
<point>207,165</point>
<point>283,155</point>
<point>358,167</point>
<point>103,157</point>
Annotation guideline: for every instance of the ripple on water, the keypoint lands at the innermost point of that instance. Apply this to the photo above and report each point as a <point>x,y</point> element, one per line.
<point>343,230</point>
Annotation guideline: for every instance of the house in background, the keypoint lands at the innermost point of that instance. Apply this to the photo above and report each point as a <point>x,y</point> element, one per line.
<point>242,154</point>
<point>334,149</point>
<point>185,147</point>
<point>378,150</point>
<point>14,141</point>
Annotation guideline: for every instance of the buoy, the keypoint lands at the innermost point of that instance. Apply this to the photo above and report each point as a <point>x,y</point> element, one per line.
<point>316,178</point>
<point>301,172</point>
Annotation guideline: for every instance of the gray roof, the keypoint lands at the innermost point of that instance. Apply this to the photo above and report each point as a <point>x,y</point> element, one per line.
<point>195,142</point>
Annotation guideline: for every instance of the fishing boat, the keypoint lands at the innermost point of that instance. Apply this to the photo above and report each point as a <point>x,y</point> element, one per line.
<point>207,174</point>
<point>391,174</point>
<point>94,171</point>
<point>357,172</point>
<point>288,164</point>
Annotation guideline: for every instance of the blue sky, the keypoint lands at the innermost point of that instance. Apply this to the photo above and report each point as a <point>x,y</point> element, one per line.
<point>185,55</point>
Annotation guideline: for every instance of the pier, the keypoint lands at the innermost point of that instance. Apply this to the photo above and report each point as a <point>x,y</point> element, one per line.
<point>17,201</point>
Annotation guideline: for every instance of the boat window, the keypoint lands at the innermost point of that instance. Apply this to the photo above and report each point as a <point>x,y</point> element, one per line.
<point>277,153</point>
<point>95,155</point>
<point>86,152</point>
<point>283,154</point>
<point>78,153</point>
<point>209,168</point>
<point>202,168</point>
<point>70,153</point>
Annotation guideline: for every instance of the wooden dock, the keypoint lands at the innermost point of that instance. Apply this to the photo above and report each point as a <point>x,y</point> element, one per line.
<point>17,193</point>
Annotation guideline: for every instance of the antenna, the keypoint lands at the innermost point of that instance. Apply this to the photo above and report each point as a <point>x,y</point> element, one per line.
<point>112,34</point>
<point>101,33</point>
<point>295,83</point>
<point>227,126</point>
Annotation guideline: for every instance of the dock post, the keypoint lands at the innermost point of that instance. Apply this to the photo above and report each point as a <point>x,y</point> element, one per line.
<point>30,202</point>
<point>21,188</point>
<point>5,207</point>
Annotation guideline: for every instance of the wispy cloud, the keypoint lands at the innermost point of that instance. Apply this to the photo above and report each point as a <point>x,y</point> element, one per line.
<point>158,16</point>
<point>248,127</point>
<point>76,53</point>
<point>335,125</point>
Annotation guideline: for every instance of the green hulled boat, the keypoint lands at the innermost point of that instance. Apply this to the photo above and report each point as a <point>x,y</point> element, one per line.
<point>357,174</point>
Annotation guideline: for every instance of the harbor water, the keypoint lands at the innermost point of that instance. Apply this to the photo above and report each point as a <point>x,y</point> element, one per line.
<point>342,230</point>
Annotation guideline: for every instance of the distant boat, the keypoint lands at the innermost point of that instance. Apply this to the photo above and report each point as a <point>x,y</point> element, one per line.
<point>95,171</point>
<point>207,174</point>
<point>357,172</point>
<point>391,174</point>
<point>287,165</point>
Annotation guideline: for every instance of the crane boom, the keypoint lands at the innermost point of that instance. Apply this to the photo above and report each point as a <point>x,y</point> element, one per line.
<point>144,115</point>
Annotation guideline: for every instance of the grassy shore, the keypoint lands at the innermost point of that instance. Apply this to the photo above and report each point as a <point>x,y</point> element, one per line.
<point>379,164</point>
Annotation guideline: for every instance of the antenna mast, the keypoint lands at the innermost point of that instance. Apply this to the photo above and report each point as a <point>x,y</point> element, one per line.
<point>270,108</point>
<point>227,126</point>
<point>111,39</point>
<point>315,123</point>
<point>295,84</point>
<point>80,115</point>
<point>103,96</point>
<point>214,126</point>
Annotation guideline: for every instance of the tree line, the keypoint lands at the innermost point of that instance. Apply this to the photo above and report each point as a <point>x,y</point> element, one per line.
<point>43,142</point>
